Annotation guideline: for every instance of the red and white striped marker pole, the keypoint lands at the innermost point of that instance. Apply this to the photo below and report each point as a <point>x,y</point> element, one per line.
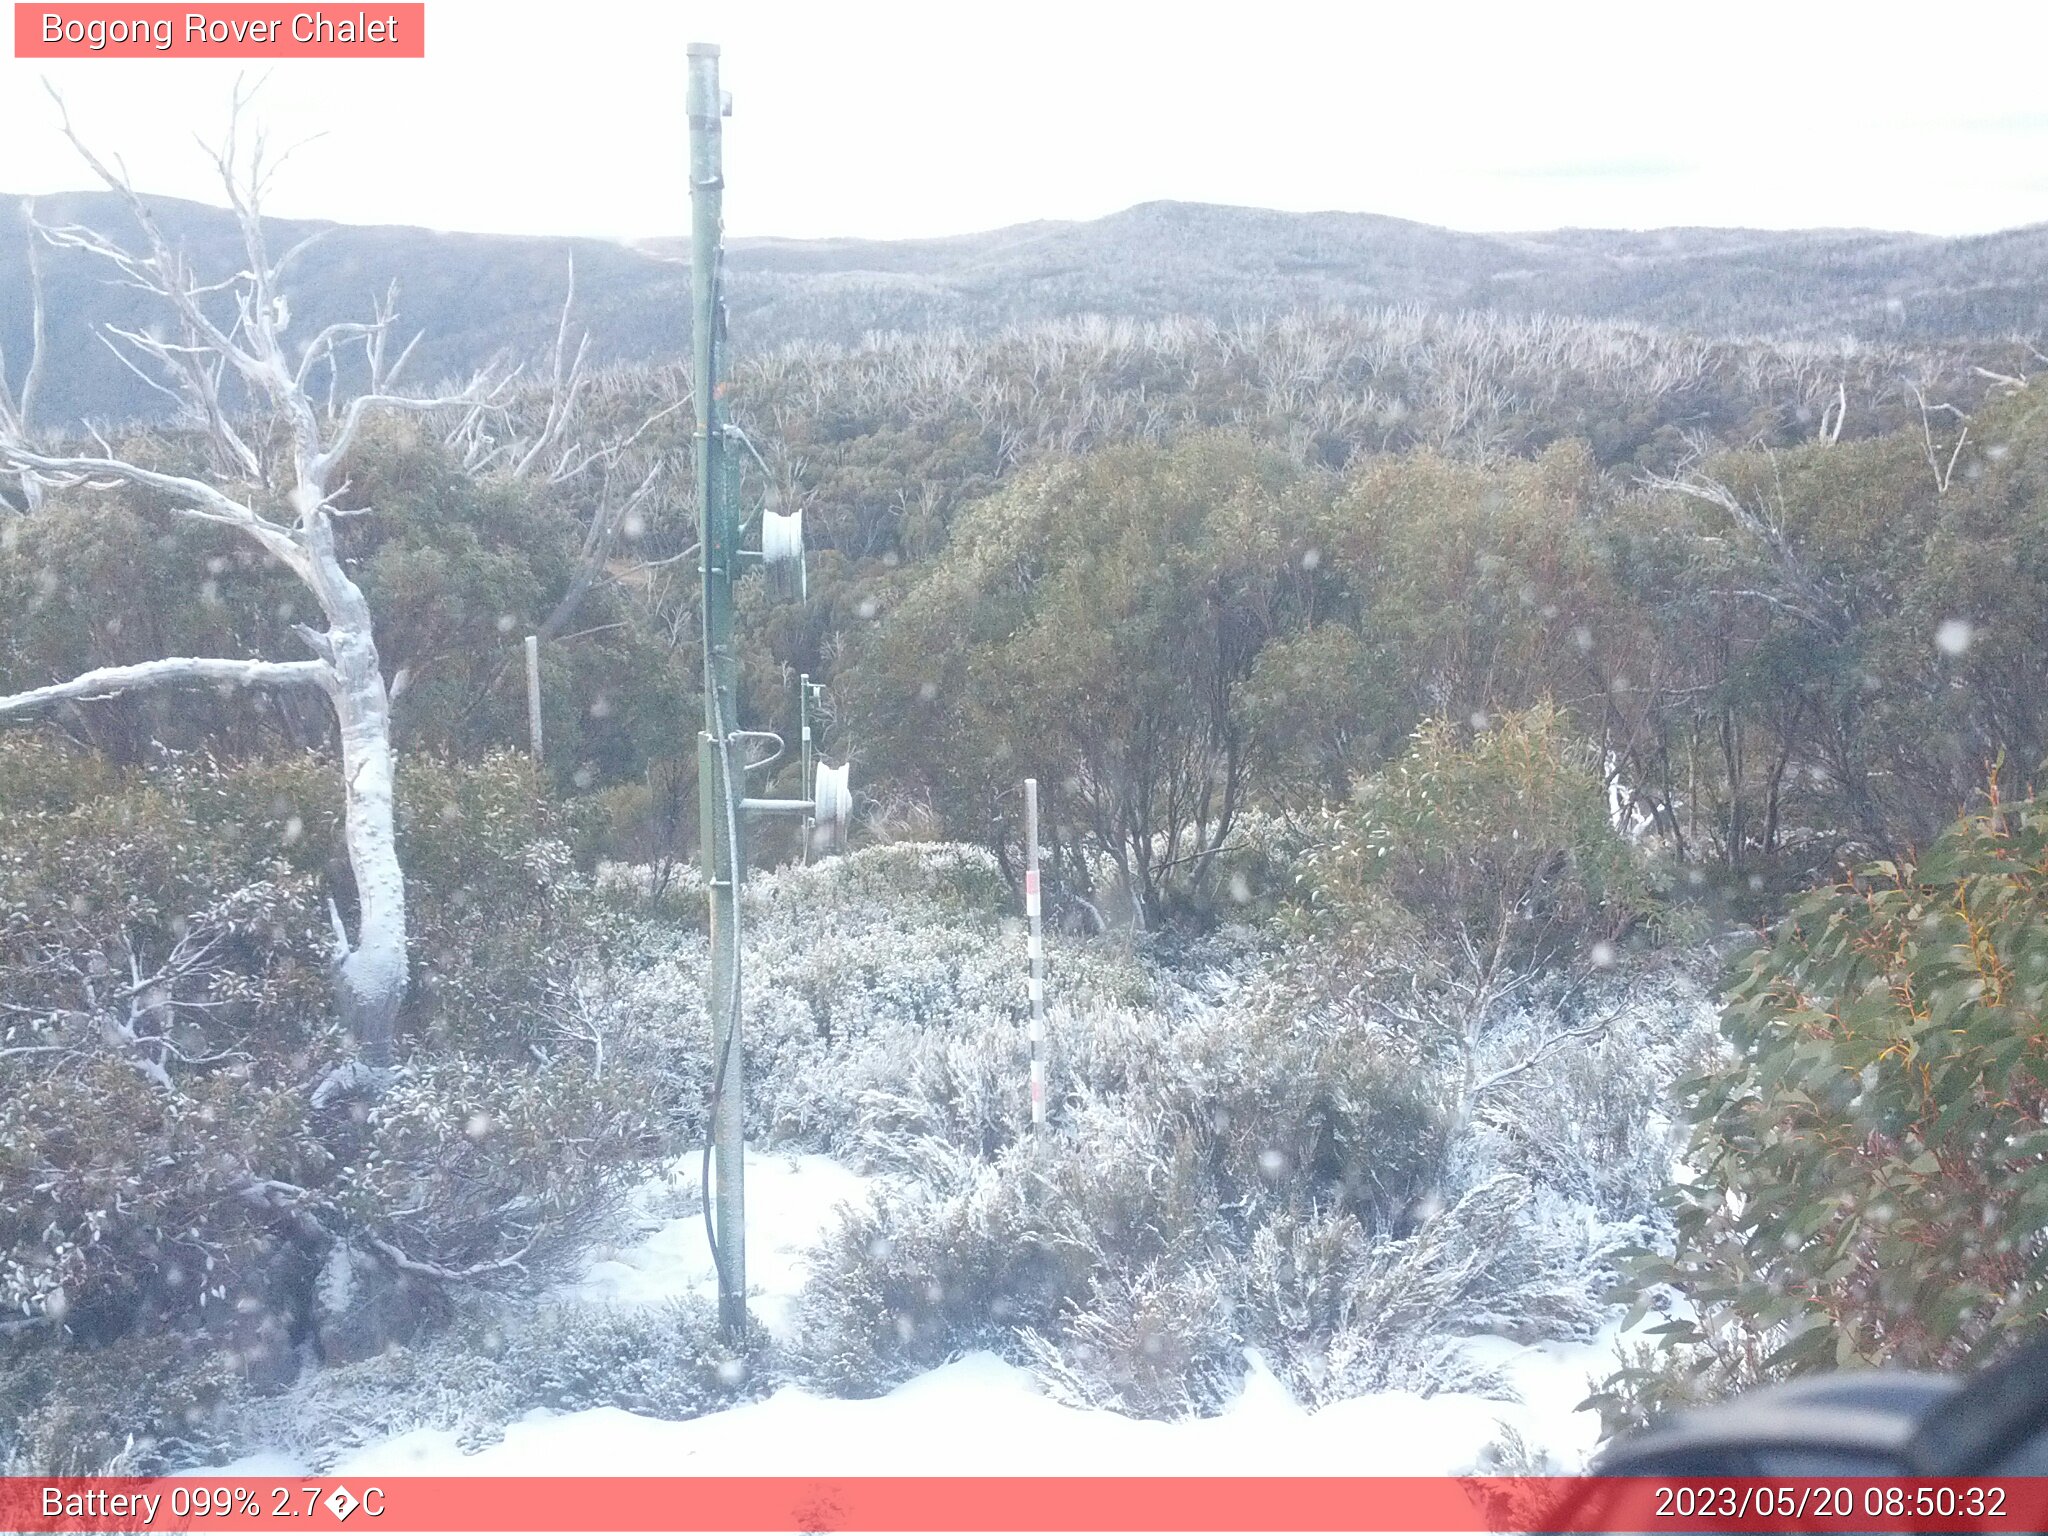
<point>1035,944</point>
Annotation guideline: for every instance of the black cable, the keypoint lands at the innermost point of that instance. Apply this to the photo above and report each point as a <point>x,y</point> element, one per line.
<point>732,1029</point>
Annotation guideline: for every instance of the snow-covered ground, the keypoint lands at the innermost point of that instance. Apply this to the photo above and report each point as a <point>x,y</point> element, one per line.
<point>791,1199</point>
<point>977,1415</point>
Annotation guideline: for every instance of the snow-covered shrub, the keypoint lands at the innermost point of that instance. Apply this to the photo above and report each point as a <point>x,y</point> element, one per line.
<point>449,1382</point>
<point>1198,1109</point>
<point>1341,1313</point>
<point>467,1169</point>
<point>1303,1104</point>
<point>492,1365</point>
<point>1158,1343</point>
<point>1128,1186</point>
<point>922,1274</point>
<point>982,1251</point>
<point>884,998</point>
<point>1589,1117</point>
<point>1265,1119</point>
<point>164,958</point>
<point>667,1362</point>
<point>957,1086</point>
<point>634,1008</point>
<point>138,1408</point>
<point>1553,1270</point>
<point>165,991</point>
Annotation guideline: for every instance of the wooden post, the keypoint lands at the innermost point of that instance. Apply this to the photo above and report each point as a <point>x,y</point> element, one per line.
<point>533,696</point>
<point>1035,945</point>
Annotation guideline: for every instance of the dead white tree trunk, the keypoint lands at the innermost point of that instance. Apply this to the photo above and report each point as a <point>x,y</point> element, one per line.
<point>18,408</point>
<point>209,365</point>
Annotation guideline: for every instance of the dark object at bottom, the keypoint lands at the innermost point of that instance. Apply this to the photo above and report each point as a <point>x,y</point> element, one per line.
<point>1859,1424</point>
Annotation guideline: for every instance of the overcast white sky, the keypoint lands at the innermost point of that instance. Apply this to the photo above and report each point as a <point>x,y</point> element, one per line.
<point>871,117</point>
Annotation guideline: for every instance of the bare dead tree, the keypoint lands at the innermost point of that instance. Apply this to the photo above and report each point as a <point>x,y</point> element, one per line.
<point>1802,593</point>
<point>1832,417</point>
<point>542,440</point>
<point>17,409</point>
<point>1944,471</point>
<point>285,501</point>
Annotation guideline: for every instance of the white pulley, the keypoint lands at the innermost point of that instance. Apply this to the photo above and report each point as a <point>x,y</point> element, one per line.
<point>782,550</point>
<point>832,798</point>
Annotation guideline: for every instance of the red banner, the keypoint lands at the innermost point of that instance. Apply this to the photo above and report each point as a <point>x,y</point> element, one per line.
<point>235,31</point>
<point>1049,1504</point>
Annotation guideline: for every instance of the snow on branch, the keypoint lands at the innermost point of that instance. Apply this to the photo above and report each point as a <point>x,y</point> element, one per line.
<point>399,1259</point>
<point>172,671</point>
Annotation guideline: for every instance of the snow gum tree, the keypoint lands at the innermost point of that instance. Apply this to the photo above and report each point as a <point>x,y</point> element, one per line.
<point>277,455</point>
<point>1092,626</point>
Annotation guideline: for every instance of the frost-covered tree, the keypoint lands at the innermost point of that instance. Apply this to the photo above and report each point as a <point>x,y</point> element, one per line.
<point>276,452</point>
<point>1473,874</point>
<point>18,403</point>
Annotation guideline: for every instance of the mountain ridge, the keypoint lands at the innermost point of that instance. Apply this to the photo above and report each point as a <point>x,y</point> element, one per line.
<point>477,294</point>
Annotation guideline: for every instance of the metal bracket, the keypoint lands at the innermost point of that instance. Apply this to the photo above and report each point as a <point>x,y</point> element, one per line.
<point>778,807</point>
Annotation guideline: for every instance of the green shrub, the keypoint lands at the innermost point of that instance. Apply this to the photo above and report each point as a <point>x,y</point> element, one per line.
<point>1869,1183</point>
<point>499,915</point>
<point>1497,839</point>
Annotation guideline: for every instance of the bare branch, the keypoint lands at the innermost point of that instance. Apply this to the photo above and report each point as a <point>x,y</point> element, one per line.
<point>568,380</point>
<point>172,671</point>
<point>1831,420</point>
<point>321,347</point>
<point>165,272</point>
<point>398,1258</point>
<point>31,384</point>
<point>203,501</point>
<point>362,405</point>
<point>17,412</point>
<point>1943,473</point>
<point>605,522</point>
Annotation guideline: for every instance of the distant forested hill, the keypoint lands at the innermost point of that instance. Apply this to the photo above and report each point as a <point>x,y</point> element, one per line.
<point>475,295</point>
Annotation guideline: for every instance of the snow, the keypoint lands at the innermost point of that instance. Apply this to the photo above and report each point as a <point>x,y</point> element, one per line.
<point>791,1199</point>
<point>980,1416</point>
<point>974,1416</point>
<point>977,1416</point>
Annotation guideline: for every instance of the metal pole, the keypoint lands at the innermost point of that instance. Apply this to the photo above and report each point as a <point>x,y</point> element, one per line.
<point>717,801</point>
<point>1035,944</point>
<point>533,696</point>
<point>804,786</point>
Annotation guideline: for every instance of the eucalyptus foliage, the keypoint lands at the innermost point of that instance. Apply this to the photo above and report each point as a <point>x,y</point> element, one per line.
<point>1869,1169</point>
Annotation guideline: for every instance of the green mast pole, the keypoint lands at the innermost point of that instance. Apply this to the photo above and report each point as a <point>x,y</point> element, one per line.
<point>717,795</point>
